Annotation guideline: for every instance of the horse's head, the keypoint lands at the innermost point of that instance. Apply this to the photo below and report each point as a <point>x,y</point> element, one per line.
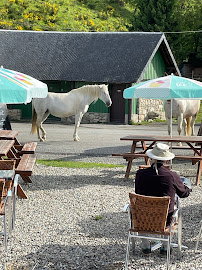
<point>104,95</point>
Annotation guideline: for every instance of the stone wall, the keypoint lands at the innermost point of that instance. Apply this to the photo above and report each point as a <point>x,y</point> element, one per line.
<point>15,114</point>
<point>148,109</point>
<point>89,118</point>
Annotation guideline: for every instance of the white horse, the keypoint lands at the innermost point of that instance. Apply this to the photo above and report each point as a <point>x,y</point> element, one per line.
<point>76,102</point>
<point>185,110</point>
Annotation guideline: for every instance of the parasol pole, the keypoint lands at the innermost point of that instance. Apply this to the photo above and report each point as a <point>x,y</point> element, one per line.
<point>171,110</point>
<point>171,126</point>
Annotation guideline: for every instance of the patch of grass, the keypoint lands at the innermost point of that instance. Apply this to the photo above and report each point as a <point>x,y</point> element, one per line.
<point>74,164</point>
<point>98,217</point>
<point>147,122</point>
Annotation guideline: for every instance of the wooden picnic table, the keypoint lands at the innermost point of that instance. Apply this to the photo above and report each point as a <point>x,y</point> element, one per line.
<point>146,142</point>
<point>23,154</point>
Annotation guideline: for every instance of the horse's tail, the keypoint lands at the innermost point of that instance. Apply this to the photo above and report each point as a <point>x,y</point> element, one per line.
<point>189,131</point>
<point>34,117</point>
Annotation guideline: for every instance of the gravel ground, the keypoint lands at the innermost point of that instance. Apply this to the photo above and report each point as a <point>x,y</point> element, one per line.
<point>73,218</point>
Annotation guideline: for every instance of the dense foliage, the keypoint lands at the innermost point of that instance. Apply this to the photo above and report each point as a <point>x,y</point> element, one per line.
<point>111,15</point>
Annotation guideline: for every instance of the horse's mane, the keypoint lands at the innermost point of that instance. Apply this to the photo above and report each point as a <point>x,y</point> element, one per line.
<point>91,90</point>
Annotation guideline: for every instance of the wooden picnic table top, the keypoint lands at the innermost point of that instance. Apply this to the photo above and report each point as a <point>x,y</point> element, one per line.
<point>5,146</point>
<point>8,134</point>
<point>163,138</point>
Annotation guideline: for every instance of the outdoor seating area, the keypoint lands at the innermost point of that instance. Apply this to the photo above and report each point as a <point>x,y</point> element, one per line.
<point>16,160</point>
<point>89,202</point>
<point>73,218</point>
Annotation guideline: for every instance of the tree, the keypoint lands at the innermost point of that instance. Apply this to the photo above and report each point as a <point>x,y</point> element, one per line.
<point>169,17</point>
<point>152,15</point>
<point>189,14</point>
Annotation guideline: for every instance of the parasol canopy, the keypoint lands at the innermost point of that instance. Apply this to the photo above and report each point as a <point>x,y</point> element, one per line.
<point>16,87</point>
<point>167,87</point>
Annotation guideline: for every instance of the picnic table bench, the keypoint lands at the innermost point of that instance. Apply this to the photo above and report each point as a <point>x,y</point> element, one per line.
<point>27,148</point>
<point>26,166</point>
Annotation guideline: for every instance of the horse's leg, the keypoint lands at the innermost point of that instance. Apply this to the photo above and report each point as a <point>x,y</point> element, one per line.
<point>78,118</point>
<point>169,125</point>
<point>39,122</point>
<point>192,123</point>
<point>41,127</point>
<point>38,132</point>
<point>185,126</point>
<point>179,128</point>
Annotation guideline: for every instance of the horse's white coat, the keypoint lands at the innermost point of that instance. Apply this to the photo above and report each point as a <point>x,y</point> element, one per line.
<point>185,110</point>
<point>76,102</point>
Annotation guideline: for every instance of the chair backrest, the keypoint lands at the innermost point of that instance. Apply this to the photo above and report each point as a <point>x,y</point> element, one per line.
<point>149,214</point>
<point>7,164</point>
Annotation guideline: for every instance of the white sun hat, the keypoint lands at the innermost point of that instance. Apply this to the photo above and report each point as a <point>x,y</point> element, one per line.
<point>160,152</point>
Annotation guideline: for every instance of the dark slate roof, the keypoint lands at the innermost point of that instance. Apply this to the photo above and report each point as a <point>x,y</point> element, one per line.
<point>110,57</point>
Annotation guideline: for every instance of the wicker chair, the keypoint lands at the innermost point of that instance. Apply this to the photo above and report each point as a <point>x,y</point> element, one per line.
<point>148,217</point>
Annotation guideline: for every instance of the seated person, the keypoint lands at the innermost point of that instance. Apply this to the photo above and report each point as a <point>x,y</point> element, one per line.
<point>159,181</point>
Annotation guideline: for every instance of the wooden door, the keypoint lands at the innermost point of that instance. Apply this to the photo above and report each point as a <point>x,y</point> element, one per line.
<point>117,109</point>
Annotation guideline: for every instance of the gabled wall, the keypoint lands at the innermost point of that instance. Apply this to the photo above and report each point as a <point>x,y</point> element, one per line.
<point>141,107</point>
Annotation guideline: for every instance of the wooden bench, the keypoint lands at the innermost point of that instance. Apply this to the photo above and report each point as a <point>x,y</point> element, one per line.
<point>26,166</point>
<point>27,148</point>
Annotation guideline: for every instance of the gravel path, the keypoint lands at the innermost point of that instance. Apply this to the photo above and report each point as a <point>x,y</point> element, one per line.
<point>73,218</point>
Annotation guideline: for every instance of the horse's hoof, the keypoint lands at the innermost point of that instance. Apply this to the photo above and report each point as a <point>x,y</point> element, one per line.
<point>76,139</point>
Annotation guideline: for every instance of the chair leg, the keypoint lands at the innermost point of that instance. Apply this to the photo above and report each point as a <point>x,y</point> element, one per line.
<point>199,236</point>
<point>179,234</point>
<point>168,251</point>
<point>5,233</point>
<point>127,252</point>
<point>133,244</point>
<point>13,216</point>
<point>9,213</point>
<point>14,199</point>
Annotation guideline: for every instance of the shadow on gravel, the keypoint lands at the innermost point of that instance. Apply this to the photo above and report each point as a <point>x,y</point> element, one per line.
<point>79,257</point>
<point>74,181</point>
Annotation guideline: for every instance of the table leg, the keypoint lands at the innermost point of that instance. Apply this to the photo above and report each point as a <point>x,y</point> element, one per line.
<point>199,169</point>
<point>144,147</point>
<point>20,192</point>
<point>130,161</point>
<point>128,169</point>
<point>198,175</point>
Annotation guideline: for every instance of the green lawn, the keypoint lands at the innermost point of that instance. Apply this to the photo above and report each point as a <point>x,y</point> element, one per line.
<point>74,164</point>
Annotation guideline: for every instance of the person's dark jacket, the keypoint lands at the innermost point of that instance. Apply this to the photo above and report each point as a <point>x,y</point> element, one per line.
<point>166,183</point>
